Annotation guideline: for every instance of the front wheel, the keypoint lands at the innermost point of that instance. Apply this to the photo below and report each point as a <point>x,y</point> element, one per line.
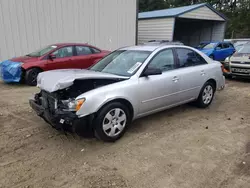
<point>31,76</point>
<point>111,122</point>
<point>206,95</point>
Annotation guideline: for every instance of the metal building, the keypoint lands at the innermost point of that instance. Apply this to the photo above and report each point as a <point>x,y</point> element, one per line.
<point>190,24</point>
<point>26,25</point>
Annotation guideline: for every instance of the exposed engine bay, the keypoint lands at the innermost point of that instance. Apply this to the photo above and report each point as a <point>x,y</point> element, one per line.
<point>64,99</point>
<point>82,86</point>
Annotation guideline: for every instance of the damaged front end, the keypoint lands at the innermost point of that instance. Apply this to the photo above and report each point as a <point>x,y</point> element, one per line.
<point>59,108</point>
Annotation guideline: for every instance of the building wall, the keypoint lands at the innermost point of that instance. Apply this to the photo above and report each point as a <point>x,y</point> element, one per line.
<point>26,25</point>
<point>158,29</point>
<point>206,32</point>
<point>218,32</point>
<point>203,13</point>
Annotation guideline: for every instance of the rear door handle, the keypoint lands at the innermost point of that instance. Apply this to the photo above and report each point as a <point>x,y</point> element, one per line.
<point>203,73</point>
<point>175,79</point>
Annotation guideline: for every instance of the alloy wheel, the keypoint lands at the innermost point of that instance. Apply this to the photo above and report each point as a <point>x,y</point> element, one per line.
<point>207,94</point>
<point>114,122</point>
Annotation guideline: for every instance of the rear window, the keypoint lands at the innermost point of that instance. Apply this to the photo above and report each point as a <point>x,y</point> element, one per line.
<point>188,58</point>
<point>95,51</point>
<point>83,50</point>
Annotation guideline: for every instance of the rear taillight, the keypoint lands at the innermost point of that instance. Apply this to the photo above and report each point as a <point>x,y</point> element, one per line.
<point>223,68</point>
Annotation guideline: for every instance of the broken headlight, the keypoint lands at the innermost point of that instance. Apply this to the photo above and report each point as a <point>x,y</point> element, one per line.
<point>72,104</point>
<point>69,105</point>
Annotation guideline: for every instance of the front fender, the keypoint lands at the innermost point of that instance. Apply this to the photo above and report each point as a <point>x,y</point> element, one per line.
<point>97,98</point>
<point>93,105</point>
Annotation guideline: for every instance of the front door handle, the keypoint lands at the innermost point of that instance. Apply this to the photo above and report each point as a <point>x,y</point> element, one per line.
<point>203,73</point>
<point>175,79</point>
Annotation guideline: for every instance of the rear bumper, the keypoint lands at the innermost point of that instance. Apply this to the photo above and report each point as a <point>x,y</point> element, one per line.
<point>61,120</point>
<point>221,84</point>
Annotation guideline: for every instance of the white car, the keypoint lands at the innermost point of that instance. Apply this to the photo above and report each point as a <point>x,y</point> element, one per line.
<point>239,63</point>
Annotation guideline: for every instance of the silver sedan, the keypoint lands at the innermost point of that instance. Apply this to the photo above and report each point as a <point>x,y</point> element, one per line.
<point>127,84</point>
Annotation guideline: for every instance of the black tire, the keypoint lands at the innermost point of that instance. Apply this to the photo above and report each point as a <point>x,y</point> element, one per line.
<point>31,76</point>
<point>200,101</point>
<point>212,57</point>
<point>100,118</point>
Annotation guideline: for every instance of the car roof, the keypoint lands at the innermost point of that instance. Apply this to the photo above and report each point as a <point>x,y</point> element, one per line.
<point>150,48</point>
<point>74,44</point>
<point>70,44</point>
<point>208,42</point>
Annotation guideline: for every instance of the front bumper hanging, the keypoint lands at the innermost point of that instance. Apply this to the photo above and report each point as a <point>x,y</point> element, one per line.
<point>59,119</point>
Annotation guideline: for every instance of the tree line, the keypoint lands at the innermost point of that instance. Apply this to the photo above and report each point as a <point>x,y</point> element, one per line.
<point>237,12</point>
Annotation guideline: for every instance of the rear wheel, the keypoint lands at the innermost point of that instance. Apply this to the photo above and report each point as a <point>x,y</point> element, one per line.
<point>206,95</point>
<point>31,76</point>
<point>111,122</point>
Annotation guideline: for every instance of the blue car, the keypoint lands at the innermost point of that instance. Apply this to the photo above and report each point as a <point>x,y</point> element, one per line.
<point>218,51</point>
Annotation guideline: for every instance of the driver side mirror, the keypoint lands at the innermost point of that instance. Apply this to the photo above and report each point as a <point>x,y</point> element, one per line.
<point>218,48</point>
<point>52,56</point>
<point>152,71</point>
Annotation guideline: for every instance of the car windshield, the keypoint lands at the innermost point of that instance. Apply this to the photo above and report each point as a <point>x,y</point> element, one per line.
<point>42,51</point>
<point>121,62</point>
<point>237,48</point>
<point>201,45</point>
<point>245,49</point>
<point>209,46</point>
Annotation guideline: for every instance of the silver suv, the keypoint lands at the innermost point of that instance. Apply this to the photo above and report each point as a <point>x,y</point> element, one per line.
<point>127,84</point>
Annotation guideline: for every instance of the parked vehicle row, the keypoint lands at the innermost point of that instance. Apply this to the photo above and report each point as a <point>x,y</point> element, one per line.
<point>127,84</point>
<point>56,56</point>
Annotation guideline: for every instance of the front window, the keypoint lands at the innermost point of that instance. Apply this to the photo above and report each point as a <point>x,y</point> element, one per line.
<point>245,49</point>
<point>121,62</point>
<point>63,52</point>
<point>163,61</point>
<point>210,46</point>
<point>42,51</point>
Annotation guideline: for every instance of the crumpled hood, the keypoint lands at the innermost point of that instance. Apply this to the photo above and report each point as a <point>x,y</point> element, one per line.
<point>60,79</point>
<point>207,51</point>
<point>24,59</point>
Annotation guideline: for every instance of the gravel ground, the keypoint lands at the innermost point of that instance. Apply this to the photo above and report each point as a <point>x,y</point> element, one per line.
<point>181,147</point>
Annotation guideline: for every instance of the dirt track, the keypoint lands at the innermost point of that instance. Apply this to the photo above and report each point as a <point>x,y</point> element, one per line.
<point>181,147</point>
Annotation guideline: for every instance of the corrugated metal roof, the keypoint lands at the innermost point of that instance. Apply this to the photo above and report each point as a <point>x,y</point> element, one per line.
<point>173,12</point>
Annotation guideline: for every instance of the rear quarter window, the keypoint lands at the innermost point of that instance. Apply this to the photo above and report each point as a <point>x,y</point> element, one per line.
<point>95,51</point>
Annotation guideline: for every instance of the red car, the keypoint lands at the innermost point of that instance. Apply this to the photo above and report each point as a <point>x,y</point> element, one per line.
<point>58,56</point>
